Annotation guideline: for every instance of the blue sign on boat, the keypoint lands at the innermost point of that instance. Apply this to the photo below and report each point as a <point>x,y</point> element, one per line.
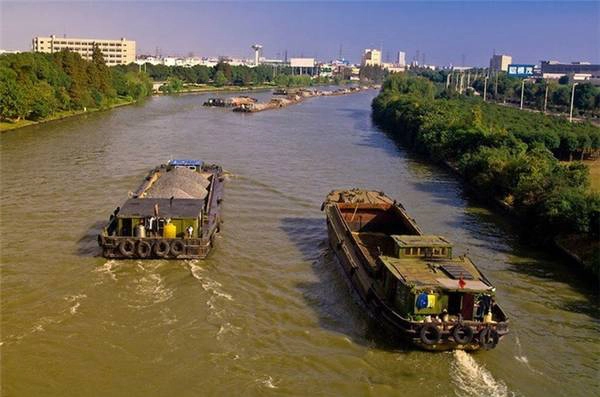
<point>186,163</point>
<point>518,70</point>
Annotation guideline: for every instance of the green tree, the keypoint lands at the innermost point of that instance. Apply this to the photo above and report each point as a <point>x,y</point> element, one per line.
<point>585,96</point>
<point>226,69</point>
<point>220,79</point>
<point>13,101</point>
<point>42,101</point>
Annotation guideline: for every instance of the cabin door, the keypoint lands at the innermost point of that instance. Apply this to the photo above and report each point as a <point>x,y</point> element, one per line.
<point>468,303</point>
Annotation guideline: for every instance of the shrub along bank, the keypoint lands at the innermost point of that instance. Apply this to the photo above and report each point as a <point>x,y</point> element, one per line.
<point>504,153</point>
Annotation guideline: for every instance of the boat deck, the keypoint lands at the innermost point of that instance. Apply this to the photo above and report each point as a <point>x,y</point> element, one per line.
<point>373,245</point>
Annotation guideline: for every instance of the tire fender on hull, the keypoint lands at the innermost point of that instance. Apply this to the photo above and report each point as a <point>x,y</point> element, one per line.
<point>488,338</point>
<point>161,248</point>
<point>430,334</point>
<point>177,247</point>
<point>127,248</point>
<point>143,249</point>
<point>462,334</point>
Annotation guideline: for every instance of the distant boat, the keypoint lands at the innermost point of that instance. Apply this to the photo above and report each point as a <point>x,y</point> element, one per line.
<point>408,281</point>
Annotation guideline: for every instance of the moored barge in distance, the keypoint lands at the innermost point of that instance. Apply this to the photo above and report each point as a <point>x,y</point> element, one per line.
<point>174,214</point>
<point>408,281</point>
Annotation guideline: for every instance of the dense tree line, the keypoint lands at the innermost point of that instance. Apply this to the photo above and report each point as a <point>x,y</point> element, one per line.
<point>223,74</point>
<point>35,86</point>
<point>504,153</point>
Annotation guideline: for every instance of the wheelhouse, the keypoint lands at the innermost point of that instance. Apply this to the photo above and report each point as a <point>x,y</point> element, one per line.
<point>423,280</point>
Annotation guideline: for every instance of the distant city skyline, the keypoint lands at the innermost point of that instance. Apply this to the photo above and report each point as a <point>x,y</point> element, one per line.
<point>443,32</point>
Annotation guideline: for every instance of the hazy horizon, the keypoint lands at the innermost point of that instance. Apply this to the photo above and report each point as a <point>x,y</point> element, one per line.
<point>446,32</point>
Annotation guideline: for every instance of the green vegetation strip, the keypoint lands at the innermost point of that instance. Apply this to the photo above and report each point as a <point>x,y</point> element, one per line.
<point>38,87</point>
<point>505,154</point>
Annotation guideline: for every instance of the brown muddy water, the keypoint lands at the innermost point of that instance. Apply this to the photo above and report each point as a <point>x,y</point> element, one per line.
<point>269,313</point>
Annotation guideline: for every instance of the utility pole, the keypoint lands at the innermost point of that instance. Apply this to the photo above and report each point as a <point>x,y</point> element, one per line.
<point>496,87</point>
<point>485,88</point>
<point>572,100</point>
<point>546,98</point>
<point>447,80</point>
<point>522,92</point>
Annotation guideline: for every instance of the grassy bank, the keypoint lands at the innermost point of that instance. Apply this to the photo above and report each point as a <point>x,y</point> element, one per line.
<point>504,155</point>
<point>13,125</point>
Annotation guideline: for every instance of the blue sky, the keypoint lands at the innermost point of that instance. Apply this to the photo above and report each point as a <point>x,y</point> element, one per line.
<point>443,31</point>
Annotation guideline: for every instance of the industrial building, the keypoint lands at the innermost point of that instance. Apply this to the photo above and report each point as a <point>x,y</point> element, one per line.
<point>578,70</point>
<point>499,63</point>
<point>115,52</point>
<point>304,66</point>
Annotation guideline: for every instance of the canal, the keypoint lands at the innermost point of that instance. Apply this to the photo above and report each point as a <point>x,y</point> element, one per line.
<point>269,313</point>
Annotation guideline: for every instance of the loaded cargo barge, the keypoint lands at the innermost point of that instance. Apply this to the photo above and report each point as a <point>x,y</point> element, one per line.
<point>410,282</point>
<point>174,214</point>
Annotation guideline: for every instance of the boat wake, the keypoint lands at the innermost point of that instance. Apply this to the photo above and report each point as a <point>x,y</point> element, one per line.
<point>108,268</point>
<point>74,302</point>
<point>267,381</point>
<point>214,288</point>
<point>520,357</point>
<point>474,380</point>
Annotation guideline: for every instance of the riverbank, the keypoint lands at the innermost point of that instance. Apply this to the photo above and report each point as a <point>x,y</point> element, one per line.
<point>507,157</point>
<point>207,88</point>
<point>10,126</point>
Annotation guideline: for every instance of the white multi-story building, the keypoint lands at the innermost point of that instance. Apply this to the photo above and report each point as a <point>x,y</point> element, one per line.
<point>115,52</point>
<point>401,58</point>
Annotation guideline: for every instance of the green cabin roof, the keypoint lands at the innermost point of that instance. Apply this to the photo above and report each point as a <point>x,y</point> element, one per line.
<point>404,241</point>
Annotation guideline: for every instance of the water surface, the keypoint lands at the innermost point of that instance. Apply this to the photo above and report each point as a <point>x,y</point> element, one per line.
<point>269,313</point>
